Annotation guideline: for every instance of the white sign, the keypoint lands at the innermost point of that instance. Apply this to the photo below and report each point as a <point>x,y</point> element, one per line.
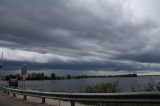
<point>24,69</point>
<point>23,77</point>
<point>23,73</point>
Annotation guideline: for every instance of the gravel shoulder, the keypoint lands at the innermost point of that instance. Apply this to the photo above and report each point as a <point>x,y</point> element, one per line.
<point>9,100</point>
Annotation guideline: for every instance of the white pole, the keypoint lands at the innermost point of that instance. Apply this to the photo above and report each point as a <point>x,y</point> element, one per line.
<point>1,68</point>
<point>1,58</point>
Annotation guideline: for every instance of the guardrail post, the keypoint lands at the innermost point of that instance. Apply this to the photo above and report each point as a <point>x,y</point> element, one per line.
<point>116,104</point>
<point>14,95</point>
<point>59,103</point>
<point>25,97</point>
<point>43,100</point>
<point>72,103</point>
<point>102,104</point>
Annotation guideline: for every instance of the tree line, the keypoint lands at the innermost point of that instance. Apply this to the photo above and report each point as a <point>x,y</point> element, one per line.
<point>53,76</point>
<point>42,76</point>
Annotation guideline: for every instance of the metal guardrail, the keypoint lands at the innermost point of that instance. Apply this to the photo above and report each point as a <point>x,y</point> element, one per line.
<point>126,97</point>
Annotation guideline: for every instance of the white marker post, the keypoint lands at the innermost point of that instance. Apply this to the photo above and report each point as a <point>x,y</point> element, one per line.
<point>1,66</point>
<point>23,74</point>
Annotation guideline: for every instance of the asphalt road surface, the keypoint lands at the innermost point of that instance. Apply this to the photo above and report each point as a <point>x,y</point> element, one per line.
<point>6,100</point>
<point>9,100</point>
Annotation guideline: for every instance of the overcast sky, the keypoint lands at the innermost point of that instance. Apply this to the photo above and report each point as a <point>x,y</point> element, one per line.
<point>94,36</point>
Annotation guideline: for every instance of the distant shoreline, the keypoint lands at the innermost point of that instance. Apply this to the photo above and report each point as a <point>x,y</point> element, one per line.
<point>41,76</point>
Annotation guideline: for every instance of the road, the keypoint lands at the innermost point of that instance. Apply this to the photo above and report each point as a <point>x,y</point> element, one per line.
<point>9,100</point>
<point>6,100</point>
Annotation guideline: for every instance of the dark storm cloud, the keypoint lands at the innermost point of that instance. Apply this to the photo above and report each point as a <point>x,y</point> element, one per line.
<point>151,56</point>
<point>84,35</point>
<point>80,66</point>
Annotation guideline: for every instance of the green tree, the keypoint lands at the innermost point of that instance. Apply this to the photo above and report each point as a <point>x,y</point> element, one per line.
<point>53,76</point>
<point>68,76</point>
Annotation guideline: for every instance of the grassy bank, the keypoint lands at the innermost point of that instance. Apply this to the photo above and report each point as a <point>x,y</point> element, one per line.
<point>112,87</point>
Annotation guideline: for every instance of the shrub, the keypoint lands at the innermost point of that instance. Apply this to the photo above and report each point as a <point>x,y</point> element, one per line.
<point>107,87</point>
<point>158,86</point>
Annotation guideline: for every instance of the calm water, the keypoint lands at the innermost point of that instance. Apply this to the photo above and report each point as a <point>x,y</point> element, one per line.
<point>125,84</point>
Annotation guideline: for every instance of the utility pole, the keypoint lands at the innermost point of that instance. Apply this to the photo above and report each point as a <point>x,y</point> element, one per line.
<point>1,66</point>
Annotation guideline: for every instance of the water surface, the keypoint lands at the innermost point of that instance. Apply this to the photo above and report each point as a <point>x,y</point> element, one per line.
<point>125,84</point>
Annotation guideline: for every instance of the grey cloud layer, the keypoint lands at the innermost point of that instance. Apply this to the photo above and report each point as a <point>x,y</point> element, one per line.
<point>97,31</point>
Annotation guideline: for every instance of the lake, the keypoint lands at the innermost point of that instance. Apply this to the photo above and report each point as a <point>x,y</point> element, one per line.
<point>74,85</point>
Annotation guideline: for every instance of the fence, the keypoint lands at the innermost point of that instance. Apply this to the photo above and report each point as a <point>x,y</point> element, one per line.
<point>128,97</point>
